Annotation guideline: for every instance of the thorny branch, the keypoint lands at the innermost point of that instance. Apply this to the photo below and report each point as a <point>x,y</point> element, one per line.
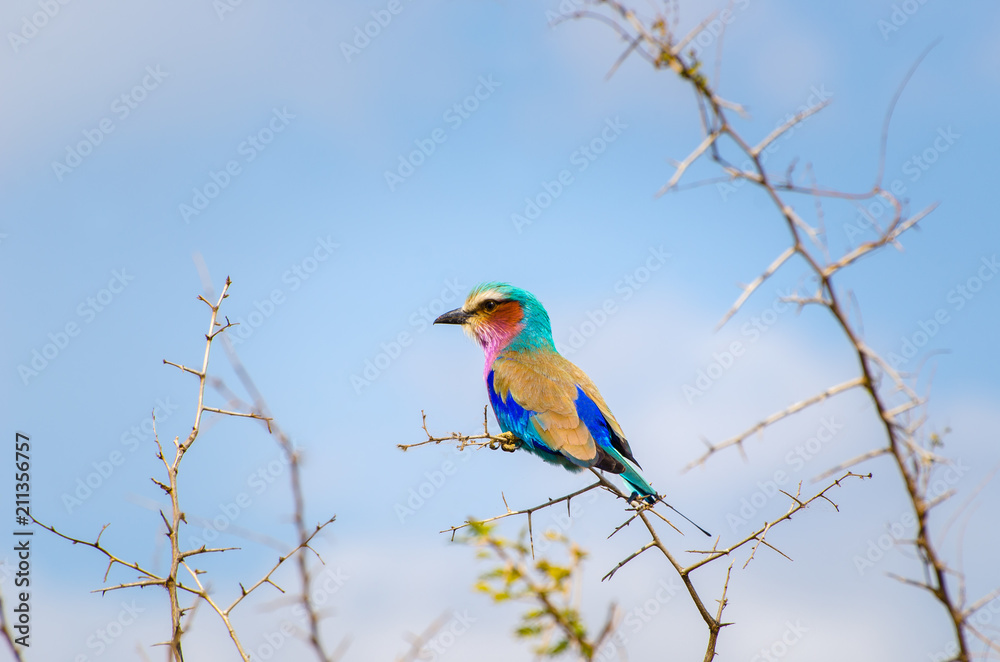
<point>504,441</point>
<point>171,581</point>
<point>645,513</point>
<point>714,622</point>
<point>737,440</point>
<point>527,511</point>
<point>313,617</point>
<point>894,400</point>
<point>903,439</point>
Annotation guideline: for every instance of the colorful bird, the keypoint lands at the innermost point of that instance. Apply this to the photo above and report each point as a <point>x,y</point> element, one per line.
<point>537,395</point>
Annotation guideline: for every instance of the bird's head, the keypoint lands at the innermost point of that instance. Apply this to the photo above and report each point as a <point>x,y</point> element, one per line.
<point>499,315</point>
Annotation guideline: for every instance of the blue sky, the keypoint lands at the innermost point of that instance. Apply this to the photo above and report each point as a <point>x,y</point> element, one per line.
<point>279,135</point>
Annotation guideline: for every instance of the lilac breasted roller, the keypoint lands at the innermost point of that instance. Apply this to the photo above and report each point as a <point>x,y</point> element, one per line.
<point>539,396</point>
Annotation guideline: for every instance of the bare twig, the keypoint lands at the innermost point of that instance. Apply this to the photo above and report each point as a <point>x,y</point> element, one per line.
<point>738,439</point>
<point>527,511</point>
<point>911,459</point>
<point>295,478</point>
<point>180,559</point>
<point>504,441</point>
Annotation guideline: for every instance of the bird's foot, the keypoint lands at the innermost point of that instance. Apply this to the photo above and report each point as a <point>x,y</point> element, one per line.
<point>510,442</point>
<point>638,501</point>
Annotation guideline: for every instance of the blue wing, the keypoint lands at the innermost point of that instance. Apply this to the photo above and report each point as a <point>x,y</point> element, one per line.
<point>616,456</point>
<point>613,452</point>
<point>516,419</point>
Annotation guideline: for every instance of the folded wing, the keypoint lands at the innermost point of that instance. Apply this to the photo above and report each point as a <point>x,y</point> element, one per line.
<point>557,411</point>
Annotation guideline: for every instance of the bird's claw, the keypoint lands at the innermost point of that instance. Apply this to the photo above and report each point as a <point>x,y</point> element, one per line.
<point>510,442</point>
<point>638,502</point>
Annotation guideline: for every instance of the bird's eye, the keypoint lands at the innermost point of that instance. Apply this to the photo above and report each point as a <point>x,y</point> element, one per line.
<point>490,306</point>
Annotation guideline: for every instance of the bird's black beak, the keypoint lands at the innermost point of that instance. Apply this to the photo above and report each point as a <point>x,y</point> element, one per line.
<point>457,316</point>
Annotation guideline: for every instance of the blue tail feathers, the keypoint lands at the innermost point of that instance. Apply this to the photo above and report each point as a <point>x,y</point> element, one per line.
<point>638,484</point>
